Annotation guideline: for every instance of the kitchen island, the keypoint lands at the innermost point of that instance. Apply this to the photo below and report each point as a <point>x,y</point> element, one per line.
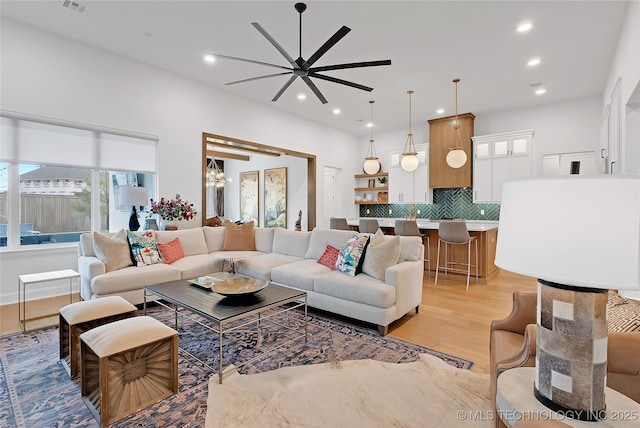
<point>486,232</point>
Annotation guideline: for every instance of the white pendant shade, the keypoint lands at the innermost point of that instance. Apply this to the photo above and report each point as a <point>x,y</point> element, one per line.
<point>456,158</point>
<point>409,162</point>
<point>371,166</point>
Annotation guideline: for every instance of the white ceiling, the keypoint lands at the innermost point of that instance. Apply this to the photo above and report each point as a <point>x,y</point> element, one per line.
<point>429,43</point>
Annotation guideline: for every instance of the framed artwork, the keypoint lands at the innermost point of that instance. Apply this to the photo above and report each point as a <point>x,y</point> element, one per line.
<point>249,196</point>
<point>275,197</point>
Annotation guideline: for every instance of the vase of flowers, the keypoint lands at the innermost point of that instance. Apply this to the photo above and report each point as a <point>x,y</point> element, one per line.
<point>171,211</point>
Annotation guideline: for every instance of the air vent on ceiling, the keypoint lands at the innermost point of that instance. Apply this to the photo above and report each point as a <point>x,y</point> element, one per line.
<point>75,6</point>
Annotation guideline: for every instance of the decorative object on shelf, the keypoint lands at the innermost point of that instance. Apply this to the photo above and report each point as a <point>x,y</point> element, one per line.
<point>371,162</point>
<point>299,221</point>
<point>456,157</point>
<point>409,160</point>
<point>382,180</point>
<point>303,68</point>
<point>383,197</point>
<point>134,196</point>
<point>171,211</point>
<point>372,182</point>
<point>275,197</point>
<point>574,275</point>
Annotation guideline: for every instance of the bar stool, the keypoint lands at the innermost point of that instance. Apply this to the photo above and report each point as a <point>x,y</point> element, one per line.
<point>338,223</point>
<point>368,225</point>
<point>410,228</point>
<point>455,233</point>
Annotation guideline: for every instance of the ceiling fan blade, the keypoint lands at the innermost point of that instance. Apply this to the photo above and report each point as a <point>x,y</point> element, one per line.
<point>273,41</point>
<point>284,88</point>
<point>351,65</point>
<point>258,78</point>
<point>326,46</point>
<point>235,58</point>
<point>315,89</point>
<point>340,81</point>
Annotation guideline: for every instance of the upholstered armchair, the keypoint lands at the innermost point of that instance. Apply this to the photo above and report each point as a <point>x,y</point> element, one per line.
<point>513,344</point>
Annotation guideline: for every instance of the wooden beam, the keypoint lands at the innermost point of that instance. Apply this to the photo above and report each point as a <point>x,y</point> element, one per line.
<point>220,155</point>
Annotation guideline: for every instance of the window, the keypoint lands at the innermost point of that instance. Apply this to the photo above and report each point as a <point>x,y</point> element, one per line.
<point>62,182</point>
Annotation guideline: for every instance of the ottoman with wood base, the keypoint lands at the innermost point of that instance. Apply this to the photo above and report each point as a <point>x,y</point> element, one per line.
<point>79,317</point>
<point>127,365</point>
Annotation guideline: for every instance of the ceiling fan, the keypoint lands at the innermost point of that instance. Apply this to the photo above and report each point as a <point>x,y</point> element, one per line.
<point>303,68</point>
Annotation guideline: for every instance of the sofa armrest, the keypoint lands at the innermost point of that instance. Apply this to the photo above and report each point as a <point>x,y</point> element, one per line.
<point>406,277</point>
<point>522,313</point>
<point>89,268</point>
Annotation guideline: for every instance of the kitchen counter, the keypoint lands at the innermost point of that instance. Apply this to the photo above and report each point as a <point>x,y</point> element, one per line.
<point>485,232</point>
<point>424,223</point>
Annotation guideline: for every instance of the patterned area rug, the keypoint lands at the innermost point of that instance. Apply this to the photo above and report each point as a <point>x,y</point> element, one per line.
<point>35,390</point>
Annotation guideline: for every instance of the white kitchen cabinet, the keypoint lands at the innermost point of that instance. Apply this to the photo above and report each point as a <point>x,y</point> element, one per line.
<point>499,158</point>
<point>409,187</point>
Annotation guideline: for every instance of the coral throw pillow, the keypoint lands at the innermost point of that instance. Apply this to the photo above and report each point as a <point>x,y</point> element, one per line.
<point>171,251</point>
<point>238,237</point>
<point>329,257</point>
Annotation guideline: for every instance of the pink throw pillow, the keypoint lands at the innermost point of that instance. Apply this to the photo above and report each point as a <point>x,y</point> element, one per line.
<point>329,257</point>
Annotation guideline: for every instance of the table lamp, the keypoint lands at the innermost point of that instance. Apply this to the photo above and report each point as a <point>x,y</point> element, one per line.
<point>134,196</point>
<point>580,236</point>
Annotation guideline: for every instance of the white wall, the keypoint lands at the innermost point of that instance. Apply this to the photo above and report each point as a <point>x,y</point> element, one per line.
<point>572,126</point>
<point>47,75</point>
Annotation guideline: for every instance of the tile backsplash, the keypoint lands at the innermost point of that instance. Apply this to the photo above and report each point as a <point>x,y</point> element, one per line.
<point>447,203</point>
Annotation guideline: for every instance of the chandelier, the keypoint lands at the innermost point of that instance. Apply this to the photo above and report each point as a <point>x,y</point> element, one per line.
<point>215,176</point>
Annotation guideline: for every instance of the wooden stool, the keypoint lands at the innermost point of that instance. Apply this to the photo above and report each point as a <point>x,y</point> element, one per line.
<point>79,317</point>
<point>127,365</point>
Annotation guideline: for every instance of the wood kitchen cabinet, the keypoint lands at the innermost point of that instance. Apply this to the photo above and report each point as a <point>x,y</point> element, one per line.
<point>442,137</point>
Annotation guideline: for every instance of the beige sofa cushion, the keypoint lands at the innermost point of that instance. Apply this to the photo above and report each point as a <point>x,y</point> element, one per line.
<point>300,274</point>
<point>214,236</point>
<point>264,239</point>
<point>261,266</point>
<point>290,242</point>
<point>411,248</point>
<point>360,288</point>
<point>320,238</point>
<point>133,278</point>
<point>381,253</point>
<point>112,250</point>
<point>192,240</point>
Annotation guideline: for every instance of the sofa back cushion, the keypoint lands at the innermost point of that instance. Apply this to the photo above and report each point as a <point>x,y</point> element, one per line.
<point>264,239</point>
<point>291,242</point>
<point>192,240</point>
<point>320,238</point>
<point>239,237</point>
<point>214,236</point>
<point>411,248</point>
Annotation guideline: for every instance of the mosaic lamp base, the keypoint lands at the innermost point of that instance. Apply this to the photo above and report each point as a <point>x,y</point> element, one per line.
<point>571,358</point>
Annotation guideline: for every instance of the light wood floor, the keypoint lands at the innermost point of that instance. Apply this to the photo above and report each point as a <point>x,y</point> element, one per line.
<point>450,319</point>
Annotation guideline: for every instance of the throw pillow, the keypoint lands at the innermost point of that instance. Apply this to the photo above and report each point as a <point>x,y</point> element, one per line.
<point>144,248</point>
<point>350,254</point>
<point>171,251</point>
<point>238,237</point>
<point>329,257</point>
<point>112,250</point>
<point>381,253</point>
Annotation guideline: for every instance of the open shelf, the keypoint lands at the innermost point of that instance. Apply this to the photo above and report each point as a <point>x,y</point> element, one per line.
<point>379,174</point>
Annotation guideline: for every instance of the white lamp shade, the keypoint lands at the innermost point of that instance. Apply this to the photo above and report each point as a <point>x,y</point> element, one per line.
<point>133,196</point>
<point>574,230</point>
<point>371,166</point>
<point>456,158</point>
<point>409,162</point>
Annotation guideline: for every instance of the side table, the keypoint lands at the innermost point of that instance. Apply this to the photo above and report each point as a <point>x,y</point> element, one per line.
<point>515,401</point>
<point>36,278</point>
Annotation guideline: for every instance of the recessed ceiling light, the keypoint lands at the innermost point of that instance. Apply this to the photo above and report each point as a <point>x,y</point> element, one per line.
<point>302,97</point>
<point>540,91</point>
<point>336,111</point>
<point>524,27</point>
<point>209,57</point>
<point>533,62</point>
<point>369,125</point>
<point>440,111</point>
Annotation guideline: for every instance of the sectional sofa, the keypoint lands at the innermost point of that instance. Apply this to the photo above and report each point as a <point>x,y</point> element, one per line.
<point>282,256</point>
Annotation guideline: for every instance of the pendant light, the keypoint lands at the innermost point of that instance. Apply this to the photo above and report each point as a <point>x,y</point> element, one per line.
<point>371,162</point>
<point>409,160</point>
<point>456,158</point>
